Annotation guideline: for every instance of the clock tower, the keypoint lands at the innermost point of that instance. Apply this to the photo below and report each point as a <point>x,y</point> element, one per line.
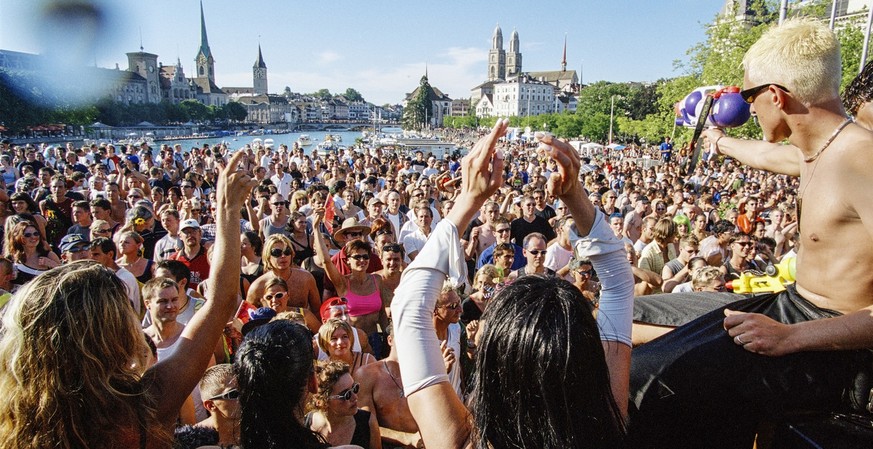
<point>146,65</point>
<point>204,61</point>
<point>259,74</point>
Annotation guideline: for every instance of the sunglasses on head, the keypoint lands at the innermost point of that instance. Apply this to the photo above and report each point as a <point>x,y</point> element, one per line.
<point>360,256</point>
<point>347,395</point>
<point>276,296</point>
<point>230,395</point>
<point>392,247</point>
<point>276,252</point>
<point>384,231</point>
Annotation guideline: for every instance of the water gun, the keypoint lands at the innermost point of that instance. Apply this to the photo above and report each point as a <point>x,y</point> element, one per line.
<point>710,106</point>
<point>773,280</point>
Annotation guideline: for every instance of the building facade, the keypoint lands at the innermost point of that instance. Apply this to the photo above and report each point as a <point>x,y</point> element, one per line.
<point>523,96</point>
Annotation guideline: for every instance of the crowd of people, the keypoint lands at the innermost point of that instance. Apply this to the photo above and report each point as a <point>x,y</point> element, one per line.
<point>265,297</point>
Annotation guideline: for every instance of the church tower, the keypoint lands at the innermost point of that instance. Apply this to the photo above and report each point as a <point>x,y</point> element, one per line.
<point>259,74</point>
<point>513,58</point>
<point>497,57</point>
<point>204,61</point>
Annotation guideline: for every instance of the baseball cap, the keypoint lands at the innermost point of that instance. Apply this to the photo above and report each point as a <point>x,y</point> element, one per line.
<point>373,201</point>
<point>257,318</point>
<point>189,223</point>
<point>70,241</point>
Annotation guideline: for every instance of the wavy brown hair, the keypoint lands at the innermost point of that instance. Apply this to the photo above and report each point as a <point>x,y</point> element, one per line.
<point>73,356</point>
<point>327,373</point>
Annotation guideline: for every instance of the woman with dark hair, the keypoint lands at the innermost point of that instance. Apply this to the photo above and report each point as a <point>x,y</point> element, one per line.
<point>546,376</point>
<point>251,262</point>
<point>274,369</point>
<point>336,415</point>
<point>24,206</point>
<point>29,252</point>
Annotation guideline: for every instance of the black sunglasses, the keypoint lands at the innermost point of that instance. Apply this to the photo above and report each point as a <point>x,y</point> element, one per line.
<point>536,252</point>
<point>384,231</point>
<point>347,395</point>
<point>750,94</point>
<point>230,395</point>
<point>276,252</point>
<point>280,203</point>
<point>360,257</point>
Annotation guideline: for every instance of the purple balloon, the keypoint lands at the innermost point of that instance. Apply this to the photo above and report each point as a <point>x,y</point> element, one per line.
<point>691,101</point>
<point>730,111</point>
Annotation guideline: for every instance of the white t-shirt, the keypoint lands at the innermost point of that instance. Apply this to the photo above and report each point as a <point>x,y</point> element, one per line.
<point>557,257</point>
<point>132,287</point>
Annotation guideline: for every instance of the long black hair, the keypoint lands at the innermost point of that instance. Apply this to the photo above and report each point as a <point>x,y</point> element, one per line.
<point>273,368</point>
<point>541,379</point>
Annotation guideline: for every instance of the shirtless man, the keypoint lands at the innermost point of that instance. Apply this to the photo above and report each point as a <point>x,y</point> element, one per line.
<point>633,221</point>
<point>792,78</point>
<point>482,236</point>
<point>382,393</point>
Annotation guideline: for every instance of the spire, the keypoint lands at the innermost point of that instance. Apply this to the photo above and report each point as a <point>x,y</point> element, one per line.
<point>513,42</point>
<point>564,60</point>
<point>260,62</point>
<point>204,42</point>
<point>497,39</point>
<point>425,70</point>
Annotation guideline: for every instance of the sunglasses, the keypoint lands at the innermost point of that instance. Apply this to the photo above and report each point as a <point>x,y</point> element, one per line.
<point>230,395</point>
<point>384,231</point>
<point>536,252</point>
<point>392,247</point>
<point>281,203</point>
<point>136,197</point>
<point>187,186</point>
<point>418,195</point>
<point>360,257</point>
<point>750,94</point>
<point>743,243</point>
<point>347,395</point>
<point>102,231</point>
<point>31,234</point>
<point>452,306</point>
<point>501,230</point>
<point>276,252</point>
<point>277,296</point>
<point>353,234</point>
<point>584,273</point>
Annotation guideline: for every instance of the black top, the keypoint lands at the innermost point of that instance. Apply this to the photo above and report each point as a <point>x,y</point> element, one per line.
<point>520,228</point>
<point>361,437</point>
<point>470,311</point>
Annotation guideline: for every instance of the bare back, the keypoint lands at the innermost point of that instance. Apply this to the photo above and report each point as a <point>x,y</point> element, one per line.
<point>835,260</point>
<point>381,395</point>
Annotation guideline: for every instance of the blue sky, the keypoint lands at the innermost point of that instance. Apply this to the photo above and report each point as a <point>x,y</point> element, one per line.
<point>378,47</point>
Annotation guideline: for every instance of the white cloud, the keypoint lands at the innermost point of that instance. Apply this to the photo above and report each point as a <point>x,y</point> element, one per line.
<point>327,56</point>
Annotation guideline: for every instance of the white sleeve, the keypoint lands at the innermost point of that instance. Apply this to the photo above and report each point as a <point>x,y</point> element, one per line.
<point>607,255</point>
<point>418,349</point>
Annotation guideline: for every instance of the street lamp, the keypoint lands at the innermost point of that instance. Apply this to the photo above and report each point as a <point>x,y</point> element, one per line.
<point>612,114</point>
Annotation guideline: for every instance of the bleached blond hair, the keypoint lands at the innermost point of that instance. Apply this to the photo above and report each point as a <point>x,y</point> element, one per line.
<point>802,55</point>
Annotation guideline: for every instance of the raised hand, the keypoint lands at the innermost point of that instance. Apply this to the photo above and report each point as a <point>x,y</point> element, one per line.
<point>234,184</point>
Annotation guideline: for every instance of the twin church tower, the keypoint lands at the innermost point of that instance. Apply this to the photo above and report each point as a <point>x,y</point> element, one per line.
<point>502,66</point>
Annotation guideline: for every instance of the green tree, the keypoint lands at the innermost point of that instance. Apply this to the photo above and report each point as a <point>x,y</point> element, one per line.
<point>353,95</point>
<point>322,94</point>
<point>235,111</point>
<point>195,110</point>
<point>419,110</point>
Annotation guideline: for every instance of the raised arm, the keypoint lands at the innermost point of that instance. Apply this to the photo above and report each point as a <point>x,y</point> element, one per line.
<point>321,253</point>
<point>596,241</point>
<point>177,375</point>
<point>442,418</point>
<point>773,157</point>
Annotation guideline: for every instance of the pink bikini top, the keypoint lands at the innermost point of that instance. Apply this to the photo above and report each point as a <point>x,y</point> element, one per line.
<point>364,304</point>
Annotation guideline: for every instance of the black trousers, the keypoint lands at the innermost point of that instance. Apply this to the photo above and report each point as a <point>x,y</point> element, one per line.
<point>695,387</point>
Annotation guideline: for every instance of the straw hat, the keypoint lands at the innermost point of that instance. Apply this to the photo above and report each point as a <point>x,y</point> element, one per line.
<point>350,225</point>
